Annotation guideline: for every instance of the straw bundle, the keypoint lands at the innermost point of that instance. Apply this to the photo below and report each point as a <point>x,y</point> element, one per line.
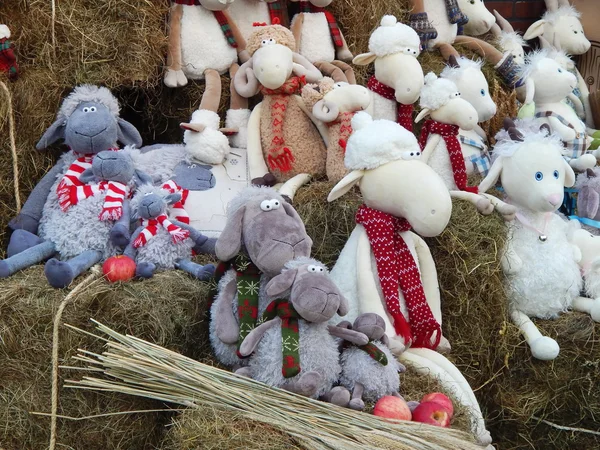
<point>136,367</point>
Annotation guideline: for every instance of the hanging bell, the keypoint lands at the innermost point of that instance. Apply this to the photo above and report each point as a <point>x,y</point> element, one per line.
<point>543,238</point>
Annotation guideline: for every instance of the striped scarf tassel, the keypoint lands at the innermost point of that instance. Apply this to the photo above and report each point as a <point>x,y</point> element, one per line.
<point>113,203</point>
<point>151,229</point>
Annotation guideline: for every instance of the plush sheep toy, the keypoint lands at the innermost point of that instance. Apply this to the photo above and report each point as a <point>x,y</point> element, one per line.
<point>160,243</point>
<point>293,348</point>
<point>509,40</point>
<point>8,60</point>
<point>369,371</point>
<point>540,264</point>
<point>263,232</point>
<point>89,123</point>
<point>398,79</point>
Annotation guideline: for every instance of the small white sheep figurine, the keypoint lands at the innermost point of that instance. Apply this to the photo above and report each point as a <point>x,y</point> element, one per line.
<point>548,85</point>
<point>398,79</point>
<point>473,87</point>
<point>509,40</point>
<point>540,264</point>
<point>441,100</point>
<point>294,348</point>
<point>384,157</point>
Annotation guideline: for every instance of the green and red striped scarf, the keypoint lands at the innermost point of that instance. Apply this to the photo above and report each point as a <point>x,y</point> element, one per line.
<point>290,335</point>
<point>221,18</point>
<point>276,12</point>
<point>372,350</point>
<point>334,30</point>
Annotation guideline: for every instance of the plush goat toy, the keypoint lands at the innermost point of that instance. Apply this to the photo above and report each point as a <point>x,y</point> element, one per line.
<point>282,140</point>
<point>388,270</point>
<point>398,79</point>
<point>335,103</point>
<point>441,147</point>
<point>8,60</point>
<point>539,262</point>
<point>293,348</point>
<point>263,232</point>
<point>509,40</point>
<point>369,371</point>
<point>89,123</point>
<point>247,13</point>
<point>160,243</point>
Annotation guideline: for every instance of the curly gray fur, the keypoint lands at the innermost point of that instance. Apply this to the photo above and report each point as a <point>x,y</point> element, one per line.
<point>88,93</point>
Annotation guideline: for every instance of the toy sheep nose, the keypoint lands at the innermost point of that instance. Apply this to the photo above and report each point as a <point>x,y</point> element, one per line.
<point>555,199</point>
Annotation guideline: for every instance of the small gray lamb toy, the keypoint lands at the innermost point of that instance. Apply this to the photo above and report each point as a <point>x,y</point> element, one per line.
<point>160,243</point>
<point>369,371</point>
<point>294,348</point>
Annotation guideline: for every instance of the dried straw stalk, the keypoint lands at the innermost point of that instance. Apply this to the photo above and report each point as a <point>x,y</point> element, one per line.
<point>136,367</point>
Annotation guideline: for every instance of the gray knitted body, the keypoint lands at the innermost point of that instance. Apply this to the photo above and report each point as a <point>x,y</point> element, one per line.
<point>78,229</point>
<point>226,353</point>
<point>163,252</point>
<point>318,352</point>
<point>378,380</point>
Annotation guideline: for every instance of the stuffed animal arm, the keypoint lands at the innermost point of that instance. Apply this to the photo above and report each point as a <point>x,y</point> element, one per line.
<point>347,334</point>
<point>252,340</point>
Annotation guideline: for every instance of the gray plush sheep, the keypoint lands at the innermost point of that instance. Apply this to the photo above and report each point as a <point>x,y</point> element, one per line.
<point>293,348</point>
<point>161,243</point>
<point>369,371</point>
<point>89,123</point>
<point>262,233</point>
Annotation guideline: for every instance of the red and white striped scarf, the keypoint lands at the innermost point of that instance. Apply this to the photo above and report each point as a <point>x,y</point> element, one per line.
<point>177,210</point>
<point>405,112</point>
<point>397,269</point>
<point>151,229</point>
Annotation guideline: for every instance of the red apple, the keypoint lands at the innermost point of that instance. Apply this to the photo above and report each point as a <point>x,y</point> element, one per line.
<point>432,413</point>
<point>119,268</point>
<point>441,399</point>
<point>392,407</point>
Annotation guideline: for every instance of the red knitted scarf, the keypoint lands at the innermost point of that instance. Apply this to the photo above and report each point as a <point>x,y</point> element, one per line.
<point>405,112</point>
<point>450,135</point>
<point>151,229</point>
<point>345,121</point>
<point>397,268</point>
<point>177,209</point>
<point>280,156</point>
<point>334,30</point>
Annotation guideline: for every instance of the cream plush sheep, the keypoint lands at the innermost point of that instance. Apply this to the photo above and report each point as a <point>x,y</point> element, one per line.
<point>539,262</point>
<point>246,13</point>
<point>334,104</point>
<point>441,100</point>
<point>384,158</point>
<point>509,40</point>
<point>393,48</point>
<point>473,87</point>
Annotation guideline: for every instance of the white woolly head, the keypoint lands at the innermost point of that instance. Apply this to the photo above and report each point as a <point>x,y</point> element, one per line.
<point>4,32</point>
<point>394,37</point>
<point>564,11</point>
<point>88,93</point>
<point>454,73</point>
<point>374,143</point>
<point>532,135</point>
<point>437,92</point>
<point>563,28</point>
<point>552,81</point>
<point>510,40</point>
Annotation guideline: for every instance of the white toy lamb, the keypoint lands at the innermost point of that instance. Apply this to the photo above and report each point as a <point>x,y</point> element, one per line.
<point>394,48</point>
<point>384,158</point>
<point>441,147</point>
<point>539,262</point>
<point>509,40</point>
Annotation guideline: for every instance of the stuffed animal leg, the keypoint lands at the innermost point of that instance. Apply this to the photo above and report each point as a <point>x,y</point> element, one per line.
<point>61,273</point>
<point>26,258</point>
<point>542,347</point>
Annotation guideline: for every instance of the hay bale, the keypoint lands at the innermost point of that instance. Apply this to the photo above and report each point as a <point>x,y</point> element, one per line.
<point>168,310</point>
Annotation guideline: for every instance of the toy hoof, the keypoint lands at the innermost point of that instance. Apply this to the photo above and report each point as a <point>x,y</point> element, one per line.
<point>5,271</point>
<point>339,396</point>
<point>21,240</point>
<point>175,78</point>
<point>484,438</point>
<point>595,311</point>
<point>544,348</point>
<point>485,207</point>
<point>145,270</point>
<point>356,404</point>
<point>58,273</point>
<point>119,236</point>
<point>309,383</point>
<point>205,272</point>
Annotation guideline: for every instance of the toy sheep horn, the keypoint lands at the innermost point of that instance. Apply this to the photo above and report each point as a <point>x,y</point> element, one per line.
<point>503,23</point>
<point>453,62</point>
<point>552,5</point>
<point>482,48</point>
<point>515,134</point>
<point>545,127</point>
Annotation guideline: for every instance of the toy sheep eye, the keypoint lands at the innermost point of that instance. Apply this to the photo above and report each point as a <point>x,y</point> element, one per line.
<point>193,166</point>
<point>339,84</point>
<point>410,155</point>
<point>559,70</point>
<point>147,194</point>
<point>482,92</point>
<point>265,205</point>
<point>315,269</point>
<point>472,2</point>
<point>575,32</point>
<point>92,109</point>
<point>556,174</point>
<point>539,176</point>
<point>275,204</point>
<point>86,110</point>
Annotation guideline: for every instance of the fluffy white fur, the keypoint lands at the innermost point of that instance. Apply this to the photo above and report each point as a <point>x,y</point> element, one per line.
<point>393,37</point>
<point>513,42</point>
<point>378,380</point>
<point>563,11</point>
<point>589,245</point>
<point>315,38</point>
<point>438,16</point>
<point>437,92</point>
<point>88,93</point>
<point>203,44</point>
<point>4,32</point>
<point>532,62</point>
<point>531,130</point>
<point>246,194</point>
<point>376,142</point>
<point>238,118</point>
<point>209,146</point>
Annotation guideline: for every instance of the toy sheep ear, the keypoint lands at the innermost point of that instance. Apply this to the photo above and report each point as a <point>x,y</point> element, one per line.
<point>588,201</point>
<point>552,5</point>
<point>492,177</point>
<point>535,30</point>
<point>55,132</point>
<point>230,241</point>
<point>196,127</point>
<point>424,113</point>
<point>508,123</point>
<point>127,134</point>
<point>281,283</point>
<point>546,129</point>
<point>325,111</point>
<point>569,175</point>
<point>173,198</point>
<point>364,59</point>
<point>544,43</point>
<point>140,178</point>
<point>87,176</point>
<point>345,184</point>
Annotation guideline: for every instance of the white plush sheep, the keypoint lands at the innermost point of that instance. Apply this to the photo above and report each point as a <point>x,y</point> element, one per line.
<point>509,40</point>
<point>394,48</point>
<point>441,99</point>
<point>548,84</point>
<point>539,262</point>
<point>480,18</point>
<point>473,87</point>
<point>384,158</point>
